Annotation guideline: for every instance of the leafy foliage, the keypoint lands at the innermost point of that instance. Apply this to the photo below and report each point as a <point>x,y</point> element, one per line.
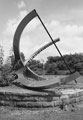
<point>1,56</point>
<point>55,65</point>
<point>36,66</point>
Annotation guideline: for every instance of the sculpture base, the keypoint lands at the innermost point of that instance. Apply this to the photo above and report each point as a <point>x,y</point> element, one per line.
<point>17,97</point>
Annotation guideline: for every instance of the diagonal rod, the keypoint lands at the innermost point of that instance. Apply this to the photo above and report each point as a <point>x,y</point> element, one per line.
<point>54,44</point>
<point>53,41</point>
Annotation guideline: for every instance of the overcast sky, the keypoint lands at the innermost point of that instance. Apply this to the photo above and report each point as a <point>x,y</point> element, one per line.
<point>63,19</point>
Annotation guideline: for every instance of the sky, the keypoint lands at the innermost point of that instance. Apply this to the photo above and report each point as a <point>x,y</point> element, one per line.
<point>62,18</point>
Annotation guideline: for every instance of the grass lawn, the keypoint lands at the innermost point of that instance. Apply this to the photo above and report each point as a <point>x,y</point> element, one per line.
<point>46,114</point>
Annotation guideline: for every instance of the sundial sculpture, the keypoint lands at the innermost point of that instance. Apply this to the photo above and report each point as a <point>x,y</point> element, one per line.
<point>28,72</point>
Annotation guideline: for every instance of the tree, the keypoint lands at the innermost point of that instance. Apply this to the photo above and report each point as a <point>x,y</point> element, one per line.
<point>61,65</point>
<point>1,56</point>
<point>36,66</point>
<point>51,69</point>
<point>1,61</point>
<point>11,60</point>
<point>52,59</point>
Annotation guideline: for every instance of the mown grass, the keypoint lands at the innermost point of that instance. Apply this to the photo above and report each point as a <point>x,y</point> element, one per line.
<point>51,114</point>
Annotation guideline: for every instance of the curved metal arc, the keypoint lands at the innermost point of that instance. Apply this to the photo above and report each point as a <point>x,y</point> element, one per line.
<point>40,50</point>
<point>19,31</point>
<point>28,72</point>
<point>16,42</point>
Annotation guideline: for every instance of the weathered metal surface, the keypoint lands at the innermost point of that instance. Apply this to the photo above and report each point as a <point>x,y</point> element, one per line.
<point>16,41</point>
<point>40,50</point>
<point>28,72</point>
<point>19,31</point>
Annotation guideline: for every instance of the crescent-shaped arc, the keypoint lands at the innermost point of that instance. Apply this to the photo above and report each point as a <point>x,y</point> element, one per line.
<point>40,50</point>
<point>16,41</point>
<point>28,72</point>
<point>18,33</point>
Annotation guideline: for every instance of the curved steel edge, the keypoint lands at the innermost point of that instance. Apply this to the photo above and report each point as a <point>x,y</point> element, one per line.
<point>28,72</point>
<point>19,31</point>
<point>16,42</point>
<point>40,50</point>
